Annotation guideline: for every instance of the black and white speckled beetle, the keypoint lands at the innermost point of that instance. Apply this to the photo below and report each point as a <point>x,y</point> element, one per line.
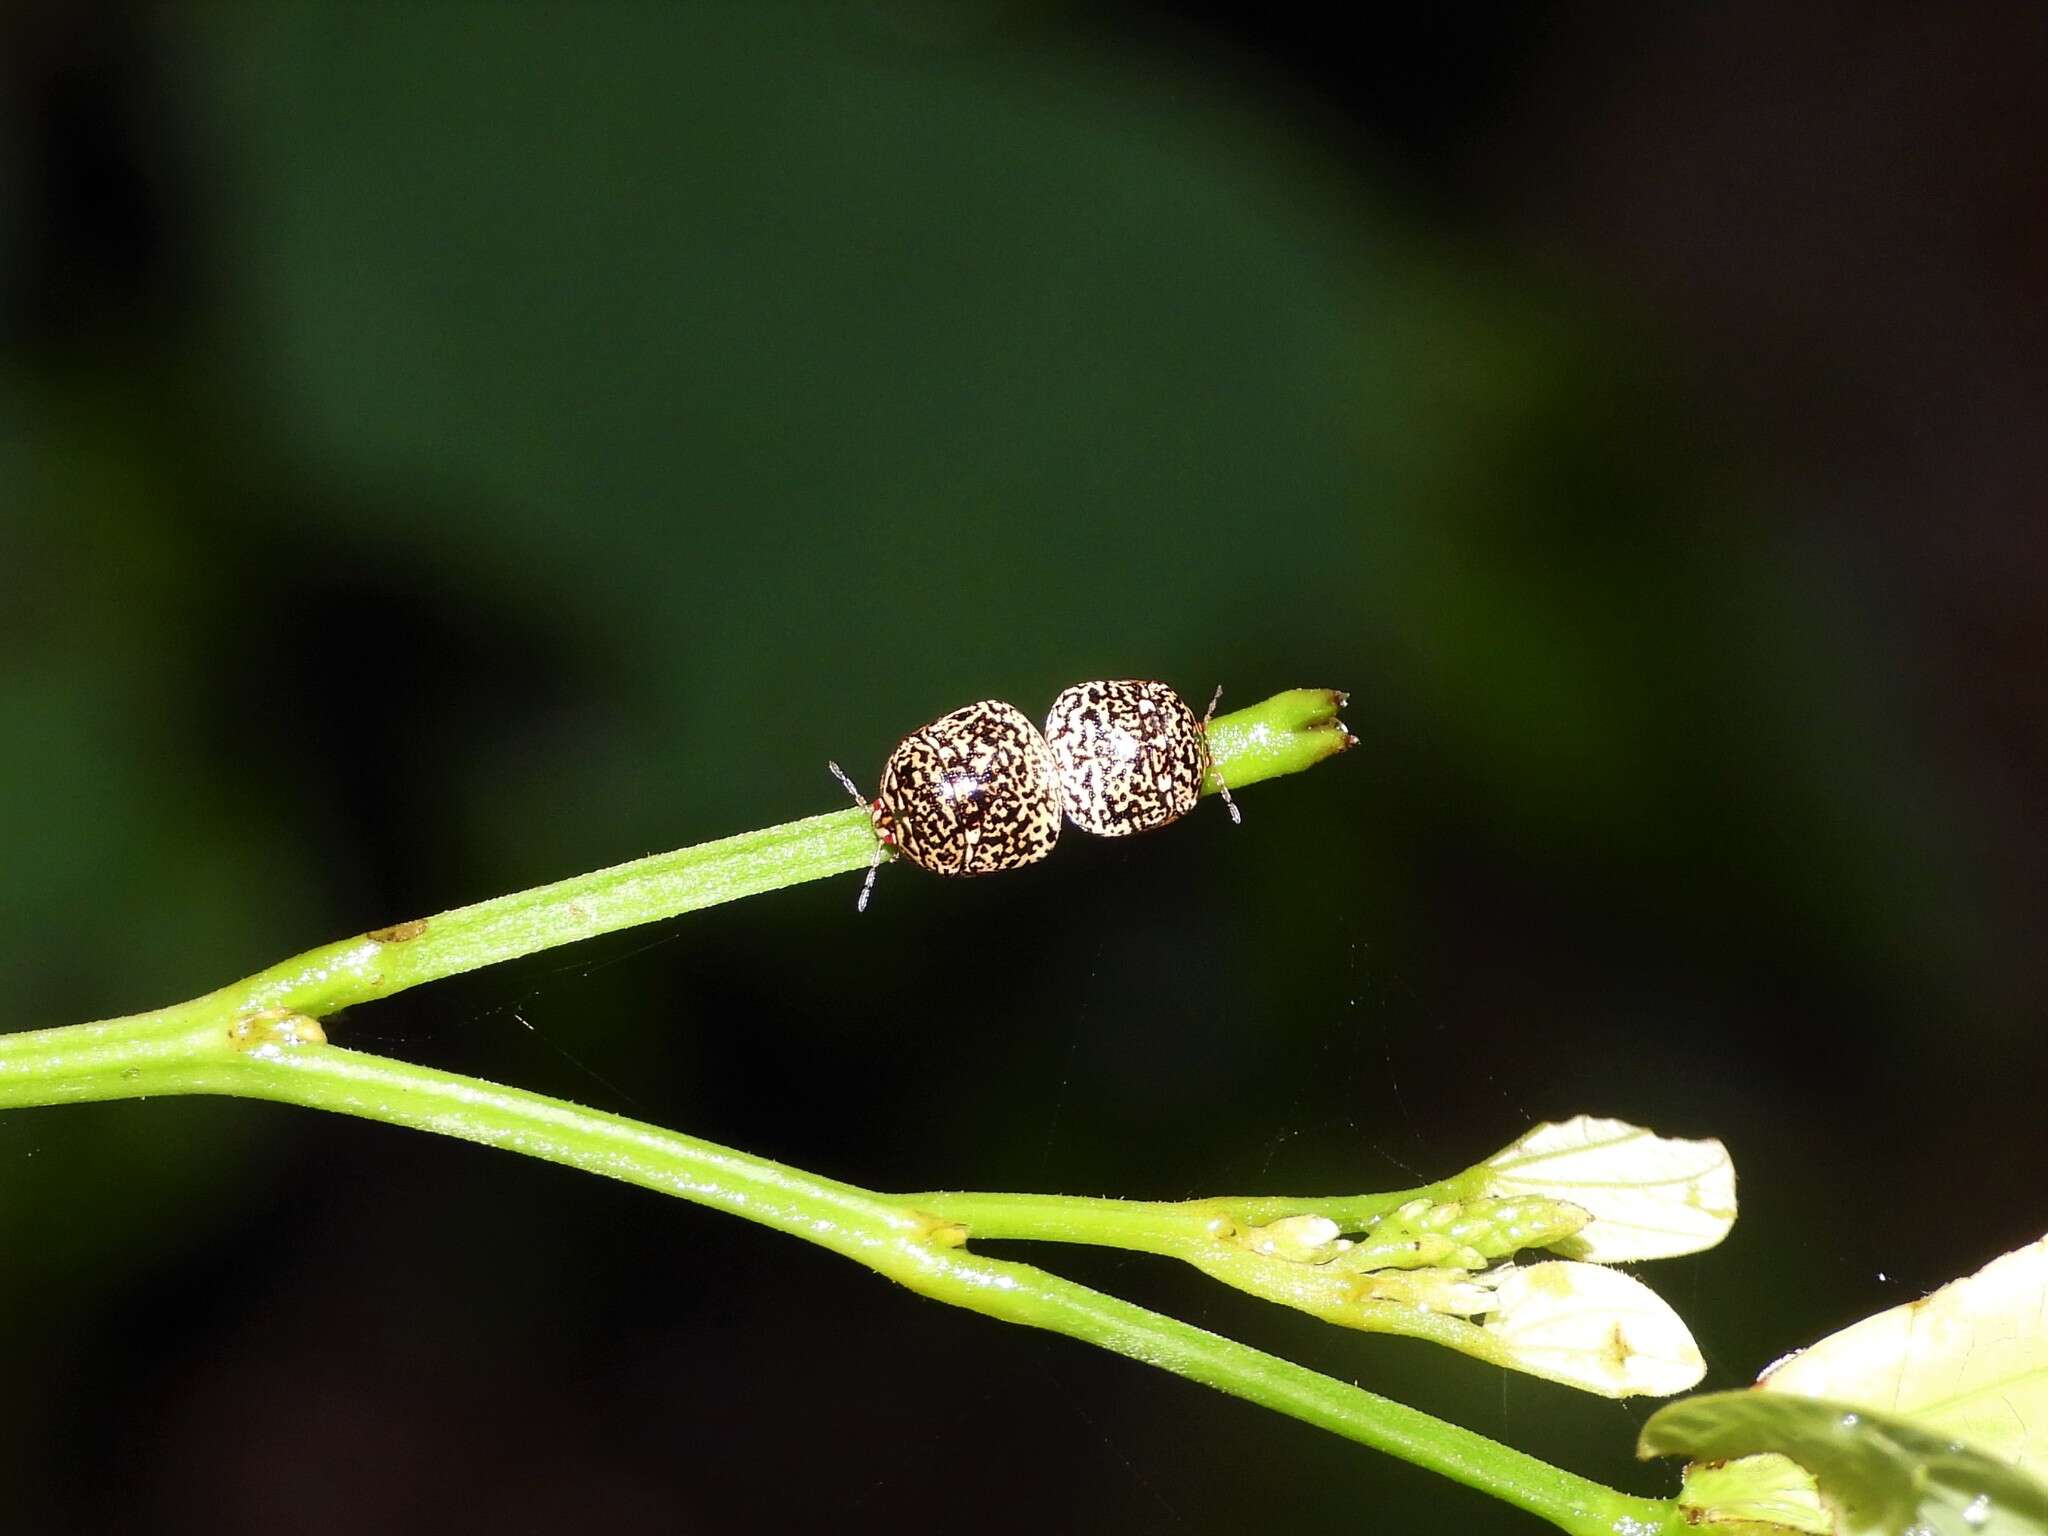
<point>980,791</point>
<point>972,793</point>
<point>1131,755</point>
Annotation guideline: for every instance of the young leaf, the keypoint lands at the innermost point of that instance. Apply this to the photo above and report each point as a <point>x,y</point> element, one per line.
<point>1592,1328</point>
<point>1651,1197</point>
<point>1969,1362</point>
<point>1879,1475</point>
<point>1754,1496</point>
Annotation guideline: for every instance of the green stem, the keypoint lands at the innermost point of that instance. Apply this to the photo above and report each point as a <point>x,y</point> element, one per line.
<point>1286,733</point>
<point>209,1047</point>
<point>1208,1234</point>
<point>660,886</point>
<point>260,1039</point>
<point>1171,1227</point>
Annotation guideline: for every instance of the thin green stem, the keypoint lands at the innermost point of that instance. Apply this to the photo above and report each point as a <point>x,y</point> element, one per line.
<point>1219,1237</point>
<point>208,1047</point>
<point>260,1038</point>
<point>1353,1213</point>
<point>1172,1227</point>
<point>1286,733</point>
<point>660,886</point>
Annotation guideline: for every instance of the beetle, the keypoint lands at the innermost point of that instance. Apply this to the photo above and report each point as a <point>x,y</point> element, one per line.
<point>973,792</point>
<point>981,790</point>
<point>1131,755</point>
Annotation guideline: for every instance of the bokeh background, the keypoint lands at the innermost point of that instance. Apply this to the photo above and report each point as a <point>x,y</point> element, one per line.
<point>446,447</point>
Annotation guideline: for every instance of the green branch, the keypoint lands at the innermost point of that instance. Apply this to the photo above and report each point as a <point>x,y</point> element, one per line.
<point>1284,734</point>
<point>650,890</point>
<point>1174,1228</point>
<point>198,1048</point>
<point>260,1038</point>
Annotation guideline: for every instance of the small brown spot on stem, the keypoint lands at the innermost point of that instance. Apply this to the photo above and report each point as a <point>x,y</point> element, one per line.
<point>398,933</point>
<point>275,1029</point>
<point>936,1229</point>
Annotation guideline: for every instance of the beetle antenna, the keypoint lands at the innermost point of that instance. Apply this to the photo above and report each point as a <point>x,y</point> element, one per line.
<point>860,903</point>
<point>1230,805</point>
<point>846,783</point>
<point>867,886</point>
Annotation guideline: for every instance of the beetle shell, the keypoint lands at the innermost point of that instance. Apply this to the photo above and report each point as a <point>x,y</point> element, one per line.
<point>972,793</point>
<point>1131,755</point>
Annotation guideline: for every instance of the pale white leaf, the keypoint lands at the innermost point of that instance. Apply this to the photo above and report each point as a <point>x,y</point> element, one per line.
<point>1969,1361</point>
<point>1651,1197</point>
<point>1593,1328</point>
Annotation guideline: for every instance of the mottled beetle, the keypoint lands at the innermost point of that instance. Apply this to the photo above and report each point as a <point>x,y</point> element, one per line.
<point>979,790</point>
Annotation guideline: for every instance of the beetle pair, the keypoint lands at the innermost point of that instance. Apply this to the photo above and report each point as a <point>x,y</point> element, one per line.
<point>982,790</point>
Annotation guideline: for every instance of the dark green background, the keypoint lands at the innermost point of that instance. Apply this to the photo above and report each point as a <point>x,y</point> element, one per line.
<point>450,447</point>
